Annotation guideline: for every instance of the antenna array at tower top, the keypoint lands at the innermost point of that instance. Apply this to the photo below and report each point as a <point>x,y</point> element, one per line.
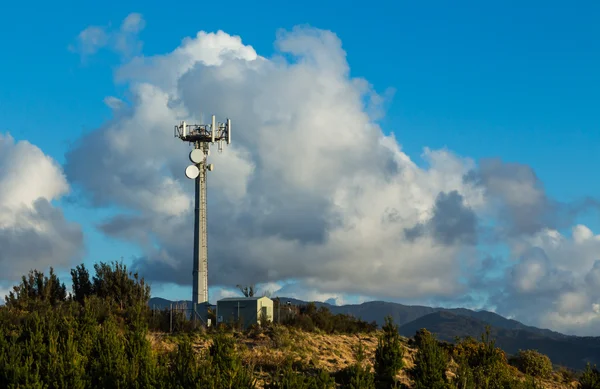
<point>204,133</point>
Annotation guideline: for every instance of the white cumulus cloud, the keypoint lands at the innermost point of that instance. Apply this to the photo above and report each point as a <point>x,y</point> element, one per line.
<point>123,40</point>
<point>311,189</point>
<point>33,233</point>
<point>556,281</point>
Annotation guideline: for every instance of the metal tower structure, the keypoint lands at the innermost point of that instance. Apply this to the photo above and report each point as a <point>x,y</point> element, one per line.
<point>201,136</point>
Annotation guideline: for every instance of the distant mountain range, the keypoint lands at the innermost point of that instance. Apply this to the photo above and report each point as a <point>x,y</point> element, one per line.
<point>510,335</point>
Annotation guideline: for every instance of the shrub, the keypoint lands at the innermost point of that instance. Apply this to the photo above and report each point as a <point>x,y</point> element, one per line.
<point>389,353</point>
<point>289,378</point>
<point>482,365</point>
<point>566,374</point>
<point>533,363</point>
<point>81,284</point>
<point>421,336</point>
<point>590,379</point>
<point>357,376</point>
<point>532,383</point>
<point>309,318</point>
<point>113,281</point>
<point>35,288</point>
<point>431,363</point>
<point>280,336</point>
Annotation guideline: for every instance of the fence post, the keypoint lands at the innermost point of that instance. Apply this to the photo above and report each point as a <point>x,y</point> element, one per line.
<point>171,319</point>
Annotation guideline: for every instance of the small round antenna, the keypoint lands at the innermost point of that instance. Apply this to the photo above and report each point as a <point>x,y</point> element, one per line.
<point>196,156</point>
<point>192,172</point>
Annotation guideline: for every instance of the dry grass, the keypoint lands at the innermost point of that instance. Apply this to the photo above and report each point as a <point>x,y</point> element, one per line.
<point>269,351</point>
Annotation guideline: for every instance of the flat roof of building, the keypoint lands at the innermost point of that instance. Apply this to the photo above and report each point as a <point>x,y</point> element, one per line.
<point>242,298</point>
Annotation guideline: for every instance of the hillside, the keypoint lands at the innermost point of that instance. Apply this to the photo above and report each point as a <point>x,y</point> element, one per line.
<point>332,353</point>
<point>571,351</point>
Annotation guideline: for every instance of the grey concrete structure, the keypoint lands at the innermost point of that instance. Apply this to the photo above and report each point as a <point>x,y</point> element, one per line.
<point>201,136</point>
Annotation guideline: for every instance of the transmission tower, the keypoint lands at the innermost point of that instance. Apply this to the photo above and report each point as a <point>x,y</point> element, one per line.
<point>201,136</point>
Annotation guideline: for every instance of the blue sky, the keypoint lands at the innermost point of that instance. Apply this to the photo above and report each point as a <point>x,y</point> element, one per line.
<point>515,79</point>
<point>518,79</point>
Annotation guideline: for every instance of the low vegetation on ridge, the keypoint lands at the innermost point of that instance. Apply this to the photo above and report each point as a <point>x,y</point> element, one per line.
<point>103,335</point>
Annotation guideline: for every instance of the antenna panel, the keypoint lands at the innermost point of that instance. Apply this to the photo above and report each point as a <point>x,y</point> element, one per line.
<point>183,129</point>
<point>214,127</point>
<point>228,131</point>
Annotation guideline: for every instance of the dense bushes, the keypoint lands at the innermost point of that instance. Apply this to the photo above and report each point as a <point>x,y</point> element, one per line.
<point>388,355</point>
<point>97,337</point>
<point>483,365</point>
<point>431,363</point>
<point>220,368</point>
<point>288,378</point>
<point>112,282</point>
<point>37,290</point>
<point>590,379</point>
<point>532,363</point>
<point>359,374</point>
<point>309,318</point>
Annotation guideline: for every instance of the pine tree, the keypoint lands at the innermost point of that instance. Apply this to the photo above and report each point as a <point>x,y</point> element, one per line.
<point>482,365</point>
<point>109,365</point>
<point>431,363</point>
<point>184,371</point>
<point>388,355</point>
<point>36,289</point>
<point>82,285</point>
<point>225,365</point>
<point>590,379</point>
<point>114,282</point>
<point>361,377</point>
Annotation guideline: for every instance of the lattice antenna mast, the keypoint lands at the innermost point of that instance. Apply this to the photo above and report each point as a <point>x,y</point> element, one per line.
<point>201,136</point>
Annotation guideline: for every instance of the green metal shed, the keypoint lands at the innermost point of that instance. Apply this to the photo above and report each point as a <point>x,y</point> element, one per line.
<point>245,310</point>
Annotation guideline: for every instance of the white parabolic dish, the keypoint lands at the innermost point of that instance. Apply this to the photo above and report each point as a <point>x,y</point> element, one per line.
<point>196,156</point>
<point>192,172</point>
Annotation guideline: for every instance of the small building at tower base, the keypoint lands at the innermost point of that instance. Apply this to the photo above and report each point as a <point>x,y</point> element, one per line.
<point>244,311</point>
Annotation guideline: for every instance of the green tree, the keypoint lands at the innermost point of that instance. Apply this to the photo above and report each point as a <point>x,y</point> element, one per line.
<point>533,363</point>
<point>81,283</point>
<point>184,370</point>
<point>361,376</point>
<point>482,365</point>
<point>36,288</point>
<point>109,367</point>
<point>226,366</point>
<point>590,379</point>
<point>431,363</point>
<point>113,281</point>
<point>388,355</point>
